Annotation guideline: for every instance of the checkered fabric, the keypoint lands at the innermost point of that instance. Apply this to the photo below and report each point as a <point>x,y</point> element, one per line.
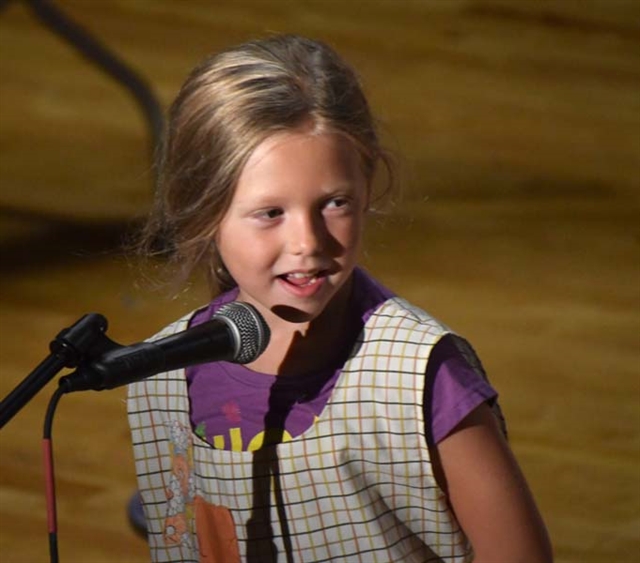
<point>357,486</point>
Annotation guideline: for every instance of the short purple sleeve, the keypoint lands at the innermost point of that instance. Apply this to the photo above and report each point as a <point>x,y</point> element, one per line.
<point>457,387</point>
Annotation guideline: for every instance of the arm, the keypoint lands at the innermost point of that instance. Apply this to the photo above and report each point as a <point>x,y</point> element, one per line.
<point>489,494</point>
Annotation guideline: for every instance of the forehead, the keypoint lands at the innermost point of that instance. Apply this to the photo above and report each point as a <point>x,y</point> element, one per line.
<point>302,158</point>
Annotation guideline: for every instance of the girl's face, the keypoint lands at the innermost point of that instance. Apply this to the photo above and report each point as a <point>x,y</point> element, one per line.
<point>292,234</point>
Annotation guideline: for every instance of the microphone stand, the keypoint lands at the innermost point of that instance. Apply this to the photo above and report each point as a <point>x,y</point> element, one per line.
<point>68,349</point>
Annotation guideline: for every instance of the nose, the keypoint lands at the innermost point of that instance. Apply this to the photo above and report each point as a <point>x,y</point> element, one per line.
<point>307,235</point>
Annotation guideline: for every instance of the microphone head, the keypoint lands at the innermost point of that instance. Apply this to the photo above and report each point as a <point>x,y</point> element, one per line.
<point>250,330</point>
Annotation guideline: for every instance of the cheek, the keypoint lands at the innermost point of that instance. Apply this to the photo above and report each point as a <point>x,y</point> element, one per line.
<point>242,248</point>
<point>346,240</point>
<point>352,233</point>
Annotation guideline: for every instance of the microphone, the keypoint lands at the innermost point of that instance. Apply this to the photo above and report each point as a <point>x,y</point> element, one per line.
<point>236,333</point>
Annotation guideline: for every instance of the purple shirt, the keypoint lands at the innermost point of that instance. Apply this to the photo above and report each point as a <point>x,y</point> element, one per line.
<point>232,405</point>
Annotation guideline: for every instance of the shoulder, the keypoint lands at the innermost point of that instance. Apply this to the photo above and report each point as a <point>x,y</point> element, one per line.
<point>399,313</point>
<point>176,326</point>
<point>398,338</point>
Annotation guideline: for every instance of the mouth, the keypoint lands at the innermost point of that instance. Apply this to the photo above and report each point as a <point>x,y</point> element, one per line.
<point>302,279</point>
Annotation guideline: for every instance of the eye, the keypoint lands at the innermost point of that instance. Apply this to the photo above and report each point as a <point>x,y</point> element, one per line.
<point>338,203</point>
<point>269,214</point>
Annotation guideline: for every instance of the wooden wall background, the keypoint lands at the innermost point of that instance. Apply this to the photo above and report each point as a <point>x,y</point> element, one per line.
<point>517,123</point>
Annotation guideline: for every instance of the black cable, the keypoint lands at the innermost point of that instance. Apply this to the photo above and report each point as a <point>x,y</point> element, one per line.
<point>47,451</point>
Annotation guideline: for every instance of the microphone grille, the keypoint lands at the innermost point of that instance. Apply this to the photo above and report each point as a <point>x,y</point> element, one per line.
<point>250,330</point>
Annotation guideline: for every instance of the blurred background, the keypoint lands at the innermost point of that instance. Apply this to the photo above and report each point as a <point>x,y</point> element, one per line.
<point>516,128</point>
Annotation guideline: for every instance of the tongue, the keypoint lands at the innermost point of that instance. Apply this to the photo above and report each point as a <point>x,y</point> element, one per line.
<point>298,281</point>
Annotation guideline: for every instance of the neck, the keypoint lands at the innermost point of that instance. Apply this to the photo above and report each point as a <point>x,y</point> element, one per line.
<point>297,348</point>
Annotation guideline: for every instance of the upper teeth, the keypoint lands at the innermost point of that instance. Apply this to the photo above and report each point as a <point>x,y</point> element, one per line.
<point>299,275</point>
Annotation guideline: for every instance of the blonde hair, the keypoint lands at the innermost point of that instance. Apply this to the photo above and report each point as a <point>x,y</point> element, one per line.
<point>228,105</point>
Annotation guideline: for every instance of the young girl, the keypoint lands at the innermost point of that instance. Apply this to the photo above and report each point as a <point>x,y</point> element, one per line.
<point>367,430</point>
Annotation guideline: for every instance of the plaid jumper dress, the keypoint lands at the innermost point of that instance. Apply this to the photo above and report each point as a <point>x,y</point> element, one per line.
<point>357,486</point>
